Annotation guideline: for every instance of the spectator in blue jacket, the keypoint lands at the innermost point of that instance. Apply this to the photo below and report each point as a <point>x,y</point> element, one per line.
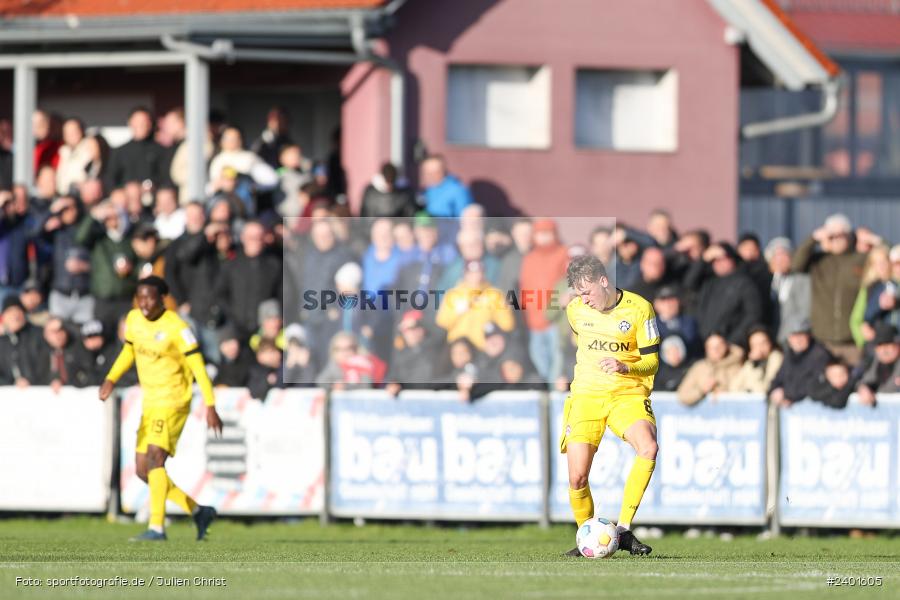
<point>14,239</point>
<point>445,195</point>
<point>381,262</point>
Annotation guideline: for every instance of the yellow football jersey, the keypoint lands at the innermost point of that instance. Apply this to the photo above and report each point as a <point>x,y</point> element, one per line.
<point>160,348</point>
<point>625,333</point>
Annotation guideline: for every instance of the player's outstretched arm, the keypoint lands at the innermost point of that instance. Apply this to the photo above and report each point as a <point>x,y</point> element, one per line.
<point>119,368</point>
<point>195,363</point>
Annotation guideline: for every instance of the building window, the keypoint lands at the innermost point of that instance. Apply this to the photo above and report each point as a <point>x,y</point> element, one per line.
<point>498,106</point>
<point>626,110</point>
<point>861,143</point>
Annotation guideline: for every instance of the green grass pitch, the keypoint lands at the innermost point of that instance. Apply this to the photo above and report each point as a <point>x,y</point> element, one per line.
<point>306,560</point>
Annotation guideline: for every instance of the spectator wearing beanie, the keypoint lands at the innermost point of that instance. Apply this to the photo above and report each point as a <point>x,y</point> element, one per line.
<point>32,298</point>
<point>416,358</point>
<point>790,291</point>
<point>727,299</point>
<point>628,256</point>
<point>542,269</point>
<point>673,364</point>
<point>371,327</point>
<point>93,356</point>
<point>387,196</point>
<point>235,359</point>
<point>672,322</point>
<point>21,346</point>
<point>267,372</point>
<point>883,375</point>
<point>754,265</point>
<point>804,359</point>
<point>271,322</point>
<point>299,368</point>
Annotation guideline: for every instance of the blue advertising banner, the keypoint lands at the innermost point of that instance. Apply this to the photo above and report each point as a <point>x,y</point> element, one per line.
<point>427,455</point>
<point>840,467</point>
<point>710,467</point>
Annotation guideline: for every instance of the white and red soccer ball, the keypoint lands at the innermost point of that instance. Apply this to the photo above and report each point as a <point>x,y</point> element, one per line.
<point>597,538</point>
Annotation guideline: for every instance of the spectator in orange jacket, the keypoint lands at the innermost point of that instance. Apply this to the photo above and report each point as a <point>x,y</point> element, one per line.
<point>542,268</point>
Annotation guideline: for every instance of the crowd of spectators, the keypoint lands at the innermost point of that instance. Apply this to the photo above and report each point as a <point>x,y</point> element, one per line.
<point>817,321</point>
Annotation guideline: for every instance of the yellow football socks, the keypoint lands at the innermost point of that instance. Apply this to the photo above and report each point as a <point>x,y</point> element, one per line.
<point>582,504</point>
<point>178,496</point>
<point>159,488</point>
<point>635,486</point>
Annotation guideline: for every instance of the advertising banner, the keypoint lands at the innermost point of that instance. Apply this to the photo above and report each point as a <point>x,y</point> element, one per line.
<point>270,459</point>
<point>426,455</point>
<point>56,448</point>
<point>839,468</point>
<point>710,468</point>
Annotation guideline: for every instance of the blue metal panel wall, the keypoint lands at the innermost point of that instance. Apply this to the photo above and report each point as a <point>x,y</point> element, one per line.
<point>770,216</point>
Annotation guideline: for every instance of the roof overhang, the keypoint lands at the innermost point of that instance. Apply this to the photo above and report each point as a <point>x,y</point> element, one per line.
<point>795,61</point>
<point>305,27</point>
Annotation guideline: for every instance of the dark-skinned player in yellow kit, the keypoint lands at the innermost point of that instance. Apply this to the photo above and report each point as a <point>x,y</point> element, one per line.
<point>168,361</point>
<point>616,361</point>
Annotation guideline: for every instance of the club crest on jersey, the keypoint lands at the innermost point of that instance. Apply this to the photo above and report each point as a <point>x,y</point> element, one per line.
<point>160,336</point>
<point>624,326</point>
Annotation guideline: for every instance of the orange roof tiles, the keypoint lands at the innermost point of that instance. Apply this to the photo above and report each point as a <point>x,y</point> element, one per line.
<point>121,8</point>
<point>829,65</point>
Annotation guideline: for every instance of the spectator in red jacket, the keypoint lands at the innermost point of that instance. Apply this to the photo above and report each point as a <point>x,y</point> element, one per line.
<point>47,130</point>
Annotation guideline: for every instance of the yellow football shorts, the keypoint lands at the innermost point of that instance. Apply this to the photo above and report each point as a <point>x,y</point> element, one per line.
<point>161,427</point>
<point>585,418</point>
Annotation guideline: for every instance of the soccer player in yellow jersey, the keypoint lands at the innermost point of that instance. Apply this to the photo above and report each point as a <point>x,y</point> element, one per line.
<point>168,361</point>
<point>616,360</point>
